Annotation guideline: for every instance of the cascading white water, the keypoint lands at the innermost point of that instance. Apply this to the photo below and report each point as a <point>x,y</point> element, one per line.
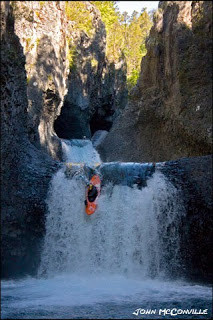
<point>80,151</point>
<point>128,234</point>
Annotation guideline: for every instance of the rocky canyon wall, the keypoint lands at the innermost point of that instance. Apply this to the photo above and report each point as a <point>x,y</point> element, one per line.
<point>96,88</point>
<point>42,29</point>
<point>193,176</point>
<point>67,67</point>
<point>25,169</point>
<point>170,110</point>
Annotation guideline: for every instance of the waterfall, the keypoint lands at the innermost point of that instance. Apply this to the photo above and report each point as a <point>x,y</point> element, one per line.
<point>133,232</point>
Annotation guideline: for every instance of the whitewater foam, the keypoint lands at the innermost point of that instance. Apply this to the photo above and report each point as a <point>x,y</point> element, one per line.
<point>80,151</point>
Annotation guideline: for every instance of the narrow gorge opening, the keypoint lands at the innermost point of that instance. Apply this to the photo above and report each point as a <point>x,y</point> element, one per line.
<point>74,123</point>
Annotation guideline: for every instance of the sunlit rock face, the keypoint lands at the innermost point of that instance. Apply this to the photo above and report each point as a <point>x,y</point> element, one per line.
<point>42,29</point>
<point>169,114</point>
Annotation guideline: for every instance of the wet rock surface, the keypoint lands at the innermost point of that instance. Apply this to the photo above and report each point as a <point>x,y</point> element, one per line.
<point>193,176</point>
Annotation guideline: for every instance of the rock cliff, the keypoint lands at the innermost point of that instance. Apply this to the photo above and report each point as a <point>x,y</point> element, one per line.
<point>96,88</point>
<point>169,114</point>
<point>66,67</point>
<point>26,170</point>
<point>42,30</point>
<point>193,177</point>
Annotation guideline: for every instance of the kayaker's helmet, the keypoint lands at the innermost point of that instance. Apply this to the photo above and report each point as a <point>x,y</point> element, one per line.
<point>90,186</point>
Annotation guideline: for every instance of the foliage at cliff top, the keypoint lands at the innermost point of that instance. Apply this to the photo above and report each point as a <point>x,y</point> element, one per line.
<point>126,35</point>
<point>77,12</point>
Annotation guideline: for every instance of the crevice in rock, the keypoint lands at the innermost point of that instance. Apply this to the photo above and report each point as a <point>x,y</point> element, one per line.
<point>102,119</point>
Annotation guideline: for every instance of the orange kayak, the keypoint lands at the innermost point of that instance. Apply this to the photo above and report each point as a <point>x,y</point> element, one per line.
<point>91,206</point>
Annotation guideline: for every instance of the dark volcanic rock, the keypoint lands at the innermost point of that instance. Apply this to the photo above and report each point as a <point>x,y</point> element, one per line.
<point>193,176</point>
<point>170,111</point>
<point>26,170</point>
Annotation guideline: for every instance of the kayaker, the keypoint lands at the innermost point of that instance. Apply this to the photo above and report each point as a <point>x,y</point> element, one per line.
<point>92,193</point>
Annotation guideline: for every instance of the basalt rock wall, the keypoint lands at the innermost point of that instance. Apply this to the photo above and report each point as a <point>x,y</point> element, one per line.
<point>193,177</point>
<point>170,110</point>
<point>25,169</point>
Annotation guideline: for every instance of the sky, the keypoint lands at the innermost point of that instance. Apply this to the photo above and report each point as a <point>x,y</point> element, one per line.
<point>130,6</point>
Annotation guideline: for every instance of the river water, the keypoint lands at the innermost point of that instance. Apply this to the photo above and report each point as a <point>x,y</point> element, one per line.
<point>121,262</point>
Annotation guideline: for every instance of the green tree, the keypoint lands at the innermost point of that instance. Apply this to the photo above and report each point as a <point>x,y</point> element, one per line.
<point>77,12</point>
<point>111,17</point>
<point>138,30</point>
